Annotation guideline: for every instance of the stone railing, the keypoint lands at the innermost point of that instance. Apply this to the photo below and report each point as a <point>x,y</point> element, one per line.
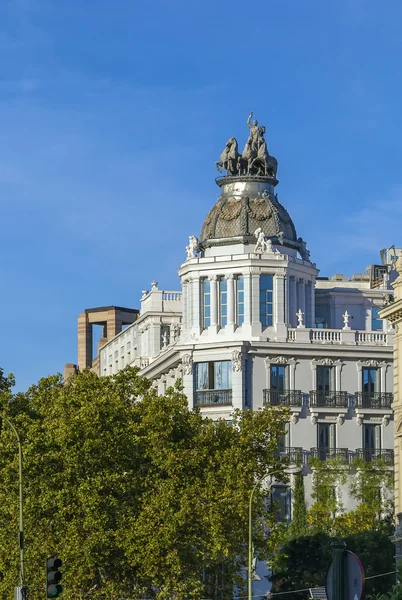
<point>373,338</point>
<point>305,335</point>
<point>171,296</point>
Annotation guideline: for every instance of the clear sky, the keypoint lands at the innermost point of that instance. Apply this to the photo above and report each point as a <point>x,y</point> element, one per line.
<point>112,116</point>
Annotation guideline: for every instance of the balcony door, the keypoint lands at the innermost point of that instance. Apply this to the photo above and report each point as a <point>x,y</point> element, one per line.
<point>371,381</point>
<point>325,384</point>
<point>279,377</point>
<point>371,441</point>
<point>326,440</point>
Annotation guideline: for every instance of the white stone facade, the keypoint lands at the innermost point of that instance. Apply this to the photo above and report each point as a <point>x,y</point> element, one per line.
<point>251,329</point>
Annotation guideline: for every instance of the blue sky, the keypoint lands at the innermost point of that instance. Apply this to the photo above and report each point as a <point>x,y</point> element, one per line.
<point>112,115</point>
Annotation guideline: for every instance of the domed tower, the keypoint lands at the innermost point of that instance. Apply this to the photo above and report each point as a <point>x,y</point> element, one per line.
<point>248,275</point>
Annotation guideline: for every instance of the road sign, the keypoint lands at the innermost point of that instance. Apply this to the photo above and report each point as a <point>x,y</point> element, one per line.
<point>353,577</point>
<point>318,593</point>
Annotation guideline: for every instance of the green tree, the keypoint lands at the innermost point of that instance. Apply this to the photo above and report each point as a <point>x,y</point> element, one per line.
<point>303,562</point>
<point>298,526</point>
<point>136,493</point>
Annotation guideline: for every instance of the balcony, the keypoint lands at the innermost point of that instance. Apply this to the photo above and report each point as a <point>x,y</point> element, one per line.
<point>293,456</point>
<point>372,454</point>
<point>374,400</point>
<point>329,453</point>
<point>213,398</point>
<point>283,397</point>
<point>328,399</point>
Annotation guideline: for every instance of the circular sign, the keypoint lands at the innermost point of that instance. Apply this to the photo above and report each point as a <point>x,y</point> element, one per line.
<point>353,577</point>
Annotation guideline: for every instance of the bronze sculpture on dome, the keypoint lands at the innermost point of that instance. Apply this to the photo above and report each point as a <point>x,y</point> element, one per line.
<point>255,158</point>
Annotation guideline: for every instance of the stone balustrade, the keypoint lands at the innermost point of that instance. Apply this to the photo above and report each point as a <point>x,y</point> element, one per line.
<point>339,336</point>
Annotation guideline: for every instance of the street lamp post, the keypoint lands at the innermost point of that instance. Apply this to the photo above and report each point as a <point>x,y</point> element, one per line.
<point>250,536</point>
<point>21,499</point>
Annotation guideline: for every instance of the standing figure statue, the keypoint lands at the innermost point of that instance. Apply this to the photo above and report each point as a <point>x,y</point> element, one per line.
<point>192,247</point>
<point>256,132</point>
<point>261,245</point>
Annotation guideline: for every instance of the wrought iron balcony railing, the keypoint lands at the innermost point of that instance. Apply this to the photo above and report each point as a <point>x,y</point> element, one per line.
<point>293,456</point>
<point>372,454</point>
<point>329,399</point>
<point>329,453</point>
<point>284,397</point>
<point>380,400</point>
<point>212,397</point>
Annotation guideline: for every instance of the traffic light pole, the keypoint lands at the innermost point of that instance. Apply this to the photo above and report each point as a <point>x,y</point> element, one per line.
<point>21,500</point>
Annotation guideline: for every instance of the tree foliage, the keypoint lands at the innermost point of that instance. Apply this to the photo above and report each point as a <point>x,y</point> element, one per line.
<point>303,562</point>
<point>136,493</point>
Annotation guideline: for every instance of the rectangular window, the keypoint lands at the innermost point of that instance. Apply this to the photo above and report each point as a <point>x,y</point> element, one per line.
<point>376,322</point>
<point>281,499</point>
<point>213,375</point>
<point>223,301</point>
<point>326,441</point>
<point>206,302</point>
<point>240,300</point>
<point>371,381</point>
<point>266,300</point>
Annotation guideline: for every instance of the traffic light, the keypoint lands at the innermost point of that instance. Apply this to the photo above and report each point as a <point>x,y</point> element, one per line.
<point>53,577</point>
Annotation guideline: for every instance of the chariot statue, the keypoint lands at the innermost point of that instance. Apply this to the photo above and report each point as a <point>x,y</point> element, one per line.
<point>255,158</point>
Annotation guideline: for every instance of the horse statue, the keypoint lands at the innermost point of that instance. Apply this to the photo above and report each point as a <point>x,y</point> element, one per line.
<point>263,162</point>
<point>229,158</point>
<point>246,159</point>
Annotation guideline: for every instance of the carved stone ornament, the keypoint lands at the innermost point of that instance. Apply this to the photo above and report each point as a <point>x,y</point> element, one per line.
<point>279,360</point>
<point>359,419</point>
<point>340,420</point>
<point>237,360</point>
<point>370,363</point>
<point>385,420</point>
<point>294,418</point>
<point>328,362</point>
<point>187,361</point>
<point>313,419</point>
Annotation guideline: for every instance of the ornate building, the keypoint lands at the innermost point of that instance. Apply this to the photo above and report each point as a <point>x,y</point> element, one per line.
<point>254,325</point>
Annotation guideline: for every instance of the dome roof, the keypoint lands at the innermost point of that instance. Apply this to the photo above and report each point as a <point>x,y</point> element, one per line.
<point>246,204</point>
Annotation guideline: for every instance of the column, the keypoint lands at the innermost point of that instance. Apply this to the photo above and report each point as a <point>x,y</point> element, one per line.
<point>279,298</point>
<point>286,299</point>
<point>279,306</point>
<point>231,301</point>
<point>312,303</point>
<point>246,327</point>
<point>184,303</point>
<point>292,301</point>
<point>214,301</point>
<point>307,316</point>
<point>302,298</point>
<point>195,305</point>
<point>255,303</point>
